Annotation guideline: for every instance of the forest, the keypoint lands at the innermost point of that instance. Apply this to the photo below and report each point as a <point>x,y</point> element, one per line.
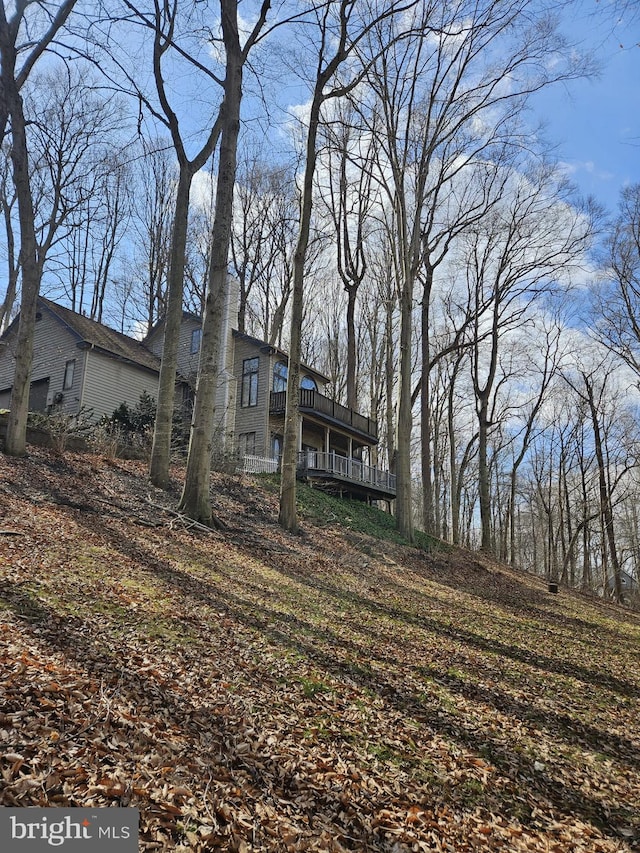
<point>371,174</point>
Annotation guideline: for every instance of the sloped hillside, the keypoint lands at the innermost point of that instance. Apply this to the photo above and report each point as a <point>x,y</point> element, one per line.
<point>254,691</point>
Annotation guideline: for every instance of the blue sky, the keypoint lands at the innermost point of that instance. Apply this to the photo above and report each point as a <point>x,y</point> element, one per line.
<point>596,123</point>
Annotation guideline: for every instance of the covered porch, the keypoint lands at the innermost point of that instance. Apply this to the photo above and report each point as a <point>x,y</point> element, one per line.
<point>347,474</point>
<point>335,446</point>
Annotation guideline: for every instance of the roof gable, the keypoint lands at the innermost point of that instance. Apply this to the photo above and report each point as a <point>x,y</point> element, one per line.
<point>108,341</point>
<point>266,347</point>
<point>158,327</point>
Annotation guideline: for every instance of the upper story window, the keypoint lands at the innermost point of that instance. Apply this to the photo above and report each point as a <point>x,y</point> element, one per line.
<point>308,382</point>
<point>69,371</point>
<point>280,373</point>
<point>249,394</point>
<point>196,340</point>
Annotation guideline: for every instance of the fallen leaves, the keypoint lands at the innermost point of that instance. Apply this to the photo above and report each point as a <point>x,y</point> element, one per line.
<point>252,692</point>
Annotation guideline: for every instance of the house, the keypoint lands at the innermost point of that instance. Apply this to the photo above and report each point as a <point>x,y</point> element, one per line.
<point>335,442</point>
<point>629,585</point>
<point>81,365</point>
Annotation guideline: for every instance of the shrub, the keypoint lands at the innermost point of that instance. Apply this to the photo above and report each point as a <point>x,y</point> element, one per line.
<point>132,426</point>
<point>62,427</point>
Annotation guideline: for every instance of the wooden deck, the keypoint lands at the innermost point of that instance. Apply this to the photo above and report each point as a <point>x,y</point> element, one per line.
<point>327,410</point>
<point>347,474</point>
<point>340,473</point>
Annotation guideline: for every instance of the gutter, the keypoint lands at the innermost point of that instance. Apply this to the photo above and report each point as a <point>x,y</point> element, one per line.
<point>87,345</point>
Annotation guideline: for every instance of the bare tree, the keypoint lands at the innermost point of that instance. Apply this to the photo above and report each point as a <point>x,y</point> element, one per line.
<point>262,242</point>
<point>27,30</point>
<point>521,251</point>
<point>7,202</point>
<point>559,493</point>
<point>74,137</point>
<point>341,32</point>
<point>373,332</point>
<point>347,192</point>
<point>544,369</point>
<point>616,309</point>
<point>462,445</point>
<point>154,184</point>
<point>591,385</point>
<point>196,499</point>
<point>435,88</point>
<point>166,22</point>
<point>113,217</point>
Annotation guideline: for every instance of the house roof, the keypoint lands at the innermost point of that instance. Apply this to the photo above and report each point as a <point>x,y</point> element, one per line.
<point>114,344</point>
<point>111,343</point>
<point>626,580</point>
<point>159,324</point>
<point>258,342</point>
<point>267,347</point>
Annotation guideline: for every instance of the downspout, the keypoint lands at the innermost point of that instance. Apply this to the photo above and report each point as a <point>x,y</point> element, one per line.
<point>86,350</point>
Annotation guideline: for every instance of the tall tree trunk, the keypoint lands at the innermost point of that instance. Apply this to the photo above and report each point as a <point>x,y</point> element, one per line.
<point>326,69</point>
<point>512,515</point>
<point>287,516</point>
<point>161,448</point>
<point>389,376</point>
<point>609,535</point>
<point>196,499</point>
<point>454,473</point>
<point>31,257</point>
<point>484,483</point>
<point>31,272</point>
<point>428,515</point>
<point>404,507</point>
<point>352,390</point>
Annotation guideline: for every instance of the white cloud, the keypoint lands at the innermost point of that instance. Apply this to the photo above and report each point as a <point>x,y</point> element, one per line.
<point>588,167</point>
<point>203,190</point>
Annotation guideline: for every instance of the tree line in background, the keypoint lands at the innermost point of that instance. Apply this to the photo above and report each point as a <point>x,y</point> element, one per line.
<point>391,216</point>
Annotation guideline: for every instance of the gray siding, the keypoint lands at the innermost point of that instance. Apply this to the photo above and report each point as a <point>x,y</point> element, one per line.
<point>253,418</point>
<point>53,346</point>
<point>109,382</point>
<point>256,418</point>
<point>7,361</point>
<point>224,418</point>
<point>187,361</point>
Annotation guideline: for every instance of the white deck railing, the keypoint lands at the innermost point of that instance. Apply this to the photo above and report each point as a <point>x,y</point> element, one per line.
<point>348,467</point>
<point>259,465</point>
<point>326,463</point>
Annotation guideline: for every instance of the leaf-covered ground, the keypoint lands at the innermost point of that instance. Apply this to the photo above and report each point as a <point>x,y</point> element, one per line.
<point>249,690</point>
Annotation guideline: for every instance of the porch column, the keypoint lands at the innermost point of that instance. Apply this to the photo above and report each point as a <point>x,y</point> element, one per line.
<point>327,439</point>
<point>300,436</point>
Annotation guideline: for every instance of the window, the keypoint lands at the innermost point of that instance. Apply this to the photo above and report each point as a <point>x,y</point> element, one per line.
<point>280,376</point>
<point>69,370</point>
<point>276,446</point>
<point>247,443</point>
<point>249,395</point>
<point>196,339</point>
